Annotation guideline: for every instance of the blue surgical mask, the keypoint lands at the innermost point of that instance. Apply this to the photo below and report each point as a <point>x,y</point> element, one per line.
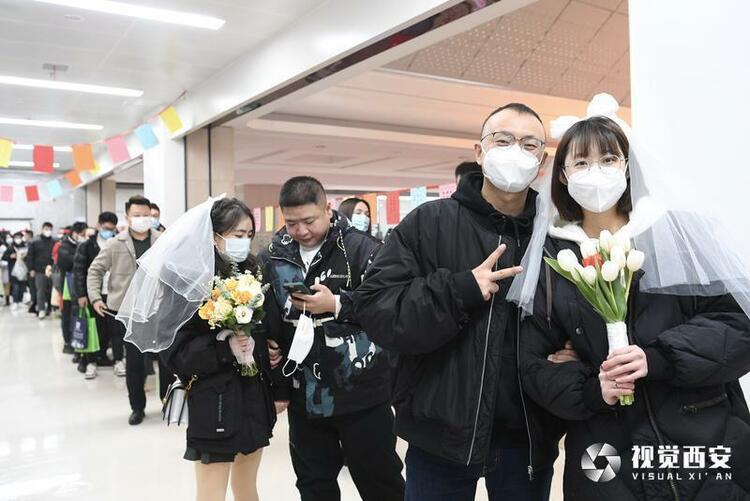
<point>155,223</point>
<point>106,234</point>
<point>360,221</point>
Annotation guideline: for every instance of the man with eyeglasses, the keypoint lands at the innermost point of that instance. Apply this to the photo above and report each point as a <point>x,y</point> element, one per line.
<point>435,294</point>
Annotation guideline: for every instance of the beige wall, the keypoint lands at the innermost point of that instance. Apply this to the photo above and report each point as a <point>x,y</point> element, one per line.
<point>200,182</point>
<point>222,161</point>
<point>196,158</point>
<point>259,195</point>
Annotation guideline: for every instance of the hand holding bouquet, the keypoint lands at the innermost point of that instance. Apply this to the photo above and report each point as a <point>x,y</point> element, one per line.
<point>604,278</point>
<point>236,302</point>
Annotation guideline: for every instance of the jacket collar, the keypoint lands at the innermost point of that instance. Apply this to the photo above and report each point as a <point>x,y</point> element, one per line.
<point>127,239</point>
<point>283,246</point>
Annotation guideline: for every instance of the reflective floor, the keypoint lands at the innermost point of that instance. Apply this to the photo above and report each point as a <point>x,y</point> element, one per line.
<point>62,437</point>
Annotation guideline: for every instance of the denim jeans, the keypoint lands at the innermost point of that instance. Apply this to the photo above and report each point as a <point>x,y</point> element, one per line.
<point>430,478</point>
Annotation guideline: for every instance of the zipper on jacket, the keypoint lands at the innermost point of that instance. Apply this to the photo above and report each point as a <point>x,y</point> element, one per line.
<point>484,368</point>
<point>649,409</point>
<point>220,409</point>
<point>694,408</point>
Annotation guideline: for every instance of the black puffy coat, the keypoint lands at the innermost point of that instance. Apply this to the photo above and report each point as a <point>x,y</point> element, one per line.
<point>457,367</point>
<point>228,413</point>
<point>40,254</point>
<point>85,254</point>
<point>696,350</point>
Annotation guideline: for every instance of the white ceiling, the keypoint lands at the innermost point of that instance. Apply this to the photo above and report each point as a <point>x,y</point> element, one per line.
<point>161,59</point>
<point>567,48</point>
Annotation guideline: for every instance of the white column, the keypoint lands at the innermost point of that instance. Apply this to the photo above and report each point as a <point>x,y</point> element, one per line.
<point>164,178</point>
<point>689,92</point>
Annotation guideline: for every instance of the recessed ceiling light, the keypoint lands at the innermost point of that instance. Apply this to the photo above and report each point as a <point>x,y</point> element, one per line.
<point>49,123</point>
<point>143,12</point>
<point>31,147</point>
<point>76,87</point>
<point>23,163</point>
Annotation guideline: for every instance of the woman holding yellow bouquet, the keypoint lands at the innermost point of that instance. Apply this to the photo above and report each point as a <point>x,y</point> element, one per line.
<point>683,363</point>
<point>196,299</point>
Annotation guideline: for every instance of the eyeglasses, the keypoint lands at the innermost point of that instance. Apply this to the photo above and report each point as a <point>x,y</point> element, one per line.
<point>500,139</point>
<point>607,163</point>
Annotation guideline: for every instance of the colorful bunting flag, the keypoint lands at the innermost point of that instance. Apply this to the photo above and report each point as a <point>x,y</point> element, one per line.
<point>54,188</point>
<point>268,216</point>
<point>372,201</point>
<point>44,157</point>
<point>171,119</point>
<point>6,148</point>
<point>146,136</point>
<point>73,178</point>
<point>118,150</point>
<point>418,196</point>
<point>32,193</point>
<point>392,208</point>
<point>258,216</point>
<point>446,190</point>
<point>279,219</point>
<point>6,193</point>
<point>83,157</point>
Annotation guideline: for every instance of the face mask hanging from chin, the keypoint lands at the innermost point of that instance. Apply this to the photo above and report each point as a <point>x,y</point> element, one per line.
<point>302,343</point>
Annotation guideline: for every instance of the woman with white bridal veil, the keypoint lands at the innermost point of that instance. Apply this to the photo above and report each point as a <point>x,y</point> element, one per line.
<point>690,338</point>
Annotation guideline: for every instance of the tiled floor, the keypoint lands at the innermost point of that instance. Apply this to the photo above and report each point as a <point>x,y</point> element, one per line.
<point>62,437</point>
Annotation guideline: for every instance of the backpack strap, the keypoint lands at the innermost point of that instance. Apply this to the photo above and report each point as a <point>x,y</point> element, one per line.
<point>548,282</point>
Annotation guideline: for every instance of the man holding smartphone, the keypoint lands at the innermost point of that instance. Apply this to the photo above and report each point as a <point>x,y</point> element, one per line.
<point>334,379</point>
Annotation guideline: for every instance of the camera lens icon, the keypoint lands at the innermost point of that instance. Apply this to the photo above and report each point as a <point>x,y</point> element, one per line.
<point>611,462</point>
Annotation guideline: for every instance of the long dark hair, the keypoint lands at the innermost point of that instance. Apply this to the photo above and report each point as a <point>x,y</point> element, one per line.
<point>346,208</point>
<point>226,214</point>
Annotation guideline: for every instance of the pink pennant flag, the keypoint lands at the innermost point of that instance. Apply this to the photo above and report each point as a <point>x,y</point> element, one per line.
<point>258,216</point>
<point>6,193</point>
<point>446,190</point>
<point>118,150</point>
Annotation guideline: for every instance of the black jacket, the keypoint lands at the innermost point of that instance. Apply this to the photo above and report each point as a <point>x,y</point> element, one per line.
<point>696,350</point>
<point>84,256</point>
<point>40,254</point>
<point>228,413</point>
<point>65,254</point>
<point>457,391</point>
<point>12,249</point>
<point>344,371</point>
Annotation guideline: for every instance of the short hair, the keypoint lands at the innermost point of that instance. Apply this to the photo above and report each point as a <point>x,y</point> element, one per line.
<point>136,200</point>
<point>79,227</point>
<point>46,224</point>
<point>608,138</point>
<point>519,108</point>
<point>302,190</point>
<point>154,206</point>
<point>467,168</point>
<point>108,217</point>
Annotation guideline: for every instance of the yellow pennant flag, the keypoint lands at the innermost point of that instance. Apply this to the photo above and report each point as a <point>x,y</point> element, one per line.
<point>279,219</point>
<point>268,216</point>
<point>171,119</point>
<point>6,148</point>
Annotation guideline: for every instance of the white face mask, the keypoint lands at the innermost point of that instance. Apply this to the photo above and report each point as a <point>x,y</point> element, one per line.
<point>510,168</point>
<point>47,233</point>
<point>236,250</point>
<point>140,224</point>
<point>596,190</point>
<point>17,241</point>
<point>302,343</point>
<point>360,221</point>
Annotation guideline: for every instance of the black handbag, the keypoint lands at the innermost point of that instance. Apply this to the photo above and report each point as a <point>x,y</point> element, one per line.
<point>175,409</point>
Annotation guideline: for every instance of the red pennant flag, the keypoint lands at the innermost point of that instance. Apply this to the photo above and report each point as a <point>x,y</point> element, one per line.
<point>83,157</point>
<point>44,156</point>
<point>392,208</point>
<point>32,193</point>
<point>73,178</point>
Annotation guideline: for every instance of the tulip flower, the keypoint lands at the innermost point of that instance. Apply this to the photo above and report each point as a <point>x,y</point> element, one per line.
<point>622,240</point>
<point>617,256</point>
<point>567,259</point>
<point>606,241</point>
<point>589,248</point>
<point>589,275</point>
<point>610,271</point>
<point>635,260</point>
<point>595,260</point>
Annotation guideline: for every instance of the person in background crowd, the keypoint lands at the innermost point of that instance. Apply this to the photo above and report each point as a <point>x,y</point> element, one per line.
<point>156,218</point>
<point>209,358</point>
<point>118,256</point>
<point>15,253</point>
<point>65,256</point>
<point>436,294</point>
<point>465,168</point>
<point>338,380</point>
<point>28,237</point>
<point>6,241</point>
<point>358,213</point>
<point>38,258</point>
<point>85,255</point>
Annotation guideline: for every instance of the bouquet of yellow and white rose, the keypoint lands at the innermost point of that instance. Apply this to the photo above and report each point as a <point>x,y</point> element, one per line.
<point>234,303</point>
<point>604,278</point>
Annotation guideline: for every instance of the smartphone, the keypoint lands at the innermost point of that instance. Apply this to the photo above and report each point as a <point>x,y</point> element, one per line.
<point>298,288</point>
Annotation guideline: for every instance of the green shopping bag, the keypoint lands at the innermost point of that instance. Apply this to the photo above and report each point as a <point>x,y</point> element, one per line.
<point>92,346</point>
<point>66,287</point>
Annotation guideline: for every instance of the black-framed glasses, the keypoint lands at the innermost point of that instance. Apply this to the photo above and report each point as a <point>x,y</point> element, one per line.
<point>502,139</point>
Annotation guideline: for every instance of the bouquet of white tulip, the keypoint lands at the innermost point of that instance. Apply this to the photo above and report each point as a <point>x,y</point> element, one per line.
<point>604,278</point>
